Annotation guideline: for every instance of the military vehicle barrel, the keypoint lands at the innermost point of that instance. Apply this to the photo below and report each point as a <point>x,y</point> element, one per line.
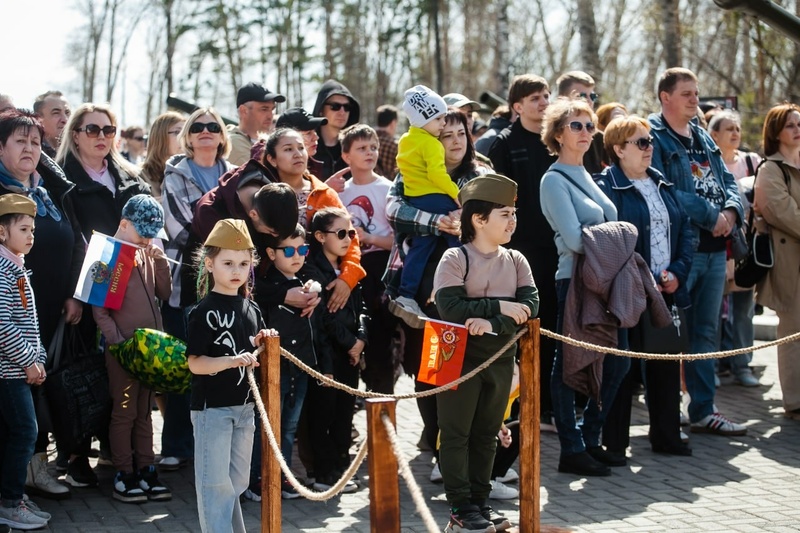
<point>776,16</point>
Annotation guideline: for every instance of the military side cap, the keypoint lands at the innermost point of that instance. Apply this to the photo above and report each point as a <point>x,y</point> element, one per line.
<point>16,204</point>
<point>489,188</point>
<point>230,234</point>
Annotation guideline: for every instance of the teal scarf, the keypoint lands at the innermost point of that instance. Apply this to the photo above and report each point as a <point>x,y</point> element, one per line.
<point>37,193</point>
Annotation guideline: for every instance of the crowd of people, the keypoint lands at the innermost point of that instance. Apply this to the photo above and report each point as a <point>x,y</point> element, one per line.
<point>343,240</point>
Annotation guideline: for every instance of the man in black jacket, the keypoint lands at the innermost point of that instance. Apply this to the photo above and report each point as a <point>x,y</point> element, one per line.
<point>337,104</point>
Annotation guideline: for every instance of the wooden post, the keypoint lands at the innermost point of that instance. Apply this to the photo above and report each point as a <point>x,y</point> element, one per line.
<point>384,486</point>
<point>270,374</point>
<point>529,415</point>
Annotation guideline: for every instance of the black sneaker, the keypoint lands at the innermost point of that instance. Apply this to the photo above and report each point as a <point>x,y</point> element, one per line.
<point>127,489</point>
<point>501,523</point>
<point>149,483</point>
<point>582,464</point>
<point>288,492</point>
<point>80,473</point>
<point>607,457</point>
<point>468,518</point>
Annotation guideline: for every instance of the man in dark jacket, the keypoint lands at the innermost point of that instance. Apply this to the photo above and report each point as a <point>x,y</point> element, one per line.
<point>519,153</point>
<point>337,104</point>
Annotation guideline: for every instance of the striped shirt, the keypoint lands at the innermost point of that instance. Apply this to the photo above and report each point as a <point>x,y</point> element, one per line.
<point>20,344</point>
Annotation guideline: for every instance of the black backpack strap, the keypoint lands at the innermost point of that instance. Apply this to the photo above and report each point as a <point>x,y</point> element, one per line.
<point>749,160</point>
<point>466,257</point>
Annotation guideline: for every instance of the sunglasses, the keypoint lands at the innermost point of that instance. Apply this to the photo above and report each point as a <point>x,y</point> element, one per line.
<point>336,106</point>
<point>93,130</point>
<point>212,127</point>
<point>289,251</point>
<point>342,233</point>
<point>643,143</point>
<point>577,127</point>
<point>590,96</point>
<point>140,139</point>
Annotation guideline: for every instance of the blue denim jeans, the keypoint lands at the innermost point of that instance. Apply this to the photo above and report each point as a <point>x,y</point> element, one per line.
<point>737,330</point>
<point>574,438</point>
<point>18,432</point>
<point>705,284</point>
<point>176,436</point>
<point>223,438</point>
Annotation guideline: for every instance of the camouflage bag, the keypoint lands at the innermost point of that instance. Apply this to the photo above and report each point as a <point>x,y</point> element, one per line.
<point>156,359</point>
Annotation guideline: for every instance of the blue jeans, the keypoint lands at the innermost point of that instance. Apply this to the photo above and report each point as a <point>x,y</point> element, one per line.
<point>422,246</point>
<point>737,330</point>
<point>574,438</point>
<point>18,432</point>
<point>176,436</point>
<point>223,438</point>
<point>293,393</point>
<point>705,284</point>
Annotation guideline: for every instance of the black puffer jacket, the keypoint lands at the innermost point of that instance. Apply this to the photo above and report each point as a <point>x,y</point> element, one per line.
<point>304,337</point>
<point>95,207</point>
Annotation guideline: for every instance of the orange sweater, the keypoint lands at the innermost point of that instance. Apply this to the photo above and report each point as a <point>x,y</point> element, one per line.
<point>321,197</point>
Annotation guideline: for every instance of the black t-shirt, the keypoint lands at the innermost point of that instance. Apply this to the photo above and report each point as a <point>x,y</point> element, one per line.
<point>706,187</point>
<point>219,326</point>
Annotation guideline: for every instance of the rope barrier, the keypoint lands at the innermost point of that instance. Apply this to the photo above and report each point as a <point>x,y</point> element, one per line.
<point>276,449</point>
<point>408,476</point>
<point>684,357</point>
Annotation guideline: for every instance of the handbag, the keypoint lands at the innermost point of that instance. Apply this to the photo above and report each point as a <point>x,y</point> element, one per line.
<point>77,392</point>
<point>156,359</point>
<point>648,338</point>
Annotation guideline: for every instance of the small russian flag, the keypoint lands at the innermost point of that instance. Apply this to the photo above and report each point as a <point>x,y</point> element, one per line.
<point>106,268</point>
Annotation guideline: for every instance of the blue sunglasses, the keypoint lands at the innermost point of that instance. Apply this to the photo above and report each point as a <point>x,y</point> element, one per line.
<point>288,251</point>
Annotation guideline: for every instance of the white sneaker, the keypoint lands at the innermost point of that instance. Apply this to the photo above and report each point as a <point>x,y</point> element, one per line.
<point>39,480</point>
<point>502,492</point>
<point>745,378</point>
<point>510,477</point>
<point>169,464</point>
<point>35,509</point>
<point>436,474</point>
<point>408,310</point>
<point>21,517</point>
<point>719,425</point>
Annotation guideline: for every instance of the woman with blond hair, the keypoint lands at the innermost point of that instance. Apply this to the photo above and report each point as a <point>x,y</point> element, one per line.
<point>104,182</point>
<point>162,143</point>
<point>777,202</point>
<point>204,145</point>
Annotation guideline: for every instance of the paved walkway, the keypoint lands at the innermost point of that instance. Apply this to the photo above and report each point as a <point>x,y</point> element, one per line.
<point>739,484</point>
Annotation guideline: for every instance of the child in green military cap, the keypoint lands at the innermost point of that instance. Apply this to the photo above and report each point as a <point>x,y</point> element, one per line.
<point>489,289</point>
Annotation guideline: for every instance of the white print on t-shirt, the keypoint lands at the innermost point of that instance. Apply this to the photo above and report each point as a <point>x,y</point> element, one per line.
<point>215,321</point>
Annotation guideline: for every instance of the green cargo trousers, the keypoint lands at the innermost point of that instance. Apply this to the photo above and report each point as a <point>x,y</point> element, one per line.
<point>469,419</point>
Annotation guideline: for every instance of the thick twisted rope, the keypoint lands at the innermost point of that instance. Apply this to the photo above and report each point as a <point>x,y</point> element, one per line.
<point>405,471</point>
<point>276,450</point>
<point>668,356</point>
<point>325,380</point>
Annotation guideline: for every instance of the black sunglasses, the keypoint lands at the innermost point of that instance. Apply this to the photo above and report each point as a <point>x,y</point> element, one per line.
<point>93,130</point>
<point>212,127</point>
<point>342,233</point>
<point>336,106</point>
<point>591,96</point>
<point>577,127</point>
<point>289,251</point>
<point>643,143</point>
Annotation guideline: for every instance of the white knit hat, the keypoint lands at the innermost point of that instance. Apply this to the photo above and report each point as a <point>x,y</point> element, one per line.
<point>421,105</point>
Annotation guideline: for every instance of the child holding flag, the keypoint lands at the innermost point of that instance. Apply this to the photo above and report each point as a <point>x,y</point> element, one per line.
<point>131,429</point>
<point>223,329</point>
<point>489,289</point>
<point>22,359</point>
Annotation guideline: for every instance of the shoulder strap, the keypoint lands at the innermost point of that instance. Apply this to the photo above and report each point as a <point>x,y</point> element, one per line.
<point>572,181</point>
<point>749,160</point>
<point>466,257</point>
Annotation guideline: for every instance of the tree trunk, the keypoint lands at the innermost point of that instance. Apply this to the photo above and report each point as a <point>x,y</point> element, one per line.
<point>590,56</point>
<point>672,32</point>
<point>501,48</point>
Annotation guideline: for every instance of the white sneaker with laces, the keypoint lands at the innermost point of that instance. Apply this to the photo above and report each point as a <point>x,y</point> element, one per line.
<point>21,517</point>
<point>510,477</point>
<point>502,492</point>
<point>717,424</point>
<point>40,482</point>
<point>436,474</point>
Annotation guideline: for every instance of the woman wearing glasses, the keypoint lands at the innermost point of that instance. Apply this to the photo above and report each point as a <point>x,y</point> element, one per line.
<point>571,200</point>
<point>103,179</point>
<point>104,182</point>
<point>645,199</point>
<point>194,171</point>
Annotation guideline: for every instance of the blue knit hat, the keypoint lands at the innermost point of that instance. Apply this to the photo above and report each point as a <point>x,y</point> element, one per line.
<point>146,215</point>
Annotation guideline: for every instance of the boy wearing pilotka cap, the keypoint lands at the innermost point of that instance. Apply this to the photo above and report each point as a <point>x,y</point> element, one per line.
<point>428,187</point>
<point>22,359</point>
<point>489,289</point>
<point>131,428</point>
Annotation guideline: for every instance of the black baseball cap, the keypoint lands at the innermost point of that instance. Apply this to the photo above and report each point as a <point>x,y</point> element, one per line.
<point>299,119</point>
<point>253,92</point>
